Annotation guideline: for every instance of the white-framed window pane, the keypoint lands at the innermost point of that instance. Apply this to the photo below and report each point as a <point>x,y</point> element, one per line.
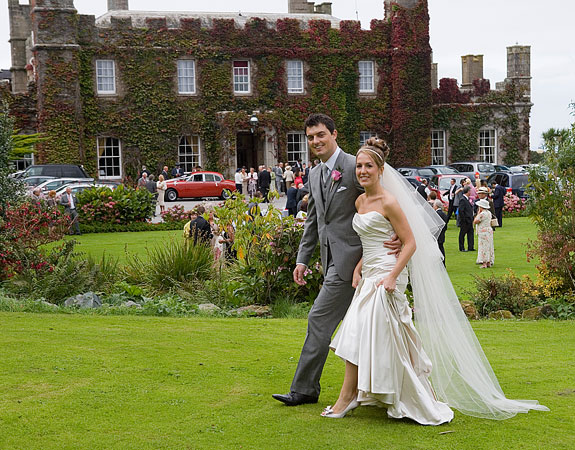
<point>297,147</point>
<point>105,76</point>
<point>24,162</point>
<point>366,76</point>
<point>487,146</point>
<point>438,147</point>
<point>186,76</point>
<point>189,152</point>
<point>109,157</point>
<point>295,77</point>
<point>364,136</point>
<point>242,77</point>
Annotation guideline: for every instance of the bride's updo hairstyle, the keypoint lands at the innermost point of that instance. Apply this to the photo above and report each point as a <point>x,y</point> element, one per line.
<point>377,149</point>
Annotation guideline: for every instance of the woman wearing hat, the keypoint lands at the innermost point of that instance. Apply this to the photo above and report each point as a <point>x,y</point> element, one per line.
<point>482,222</point>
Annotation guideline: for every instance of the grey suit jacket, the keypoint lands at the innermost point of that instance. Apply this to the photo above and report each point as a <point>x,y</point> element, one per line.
<point>329,222</point>
<point>65,200</point>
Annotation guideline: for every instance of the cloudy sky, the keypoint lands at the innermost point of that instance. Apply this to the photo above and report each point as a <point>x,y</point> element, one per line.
<point>458,27</point>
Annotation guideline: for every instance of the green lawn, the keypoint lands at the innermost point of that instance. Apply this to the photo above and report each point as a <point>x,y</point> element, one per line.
<point>93,382</point>
<point>510,249</point>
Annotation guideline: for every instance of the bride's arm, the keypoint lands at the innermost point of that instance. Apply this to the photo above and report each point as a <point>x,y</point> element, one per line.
<point>403,231</point>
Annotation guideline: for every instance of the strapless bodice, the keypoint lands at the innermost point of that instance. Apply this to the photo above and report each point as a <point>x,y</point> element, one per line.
<point>374,229</point>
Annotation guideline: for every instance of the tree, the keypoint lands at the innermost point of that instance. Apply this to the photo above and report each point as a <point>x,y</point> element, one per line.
<point>10,190</point>
<point>552,207</point>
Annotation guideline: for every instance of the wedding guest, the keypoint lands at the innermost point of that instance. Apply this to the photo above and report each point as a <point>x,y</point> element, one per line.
<point>499,193</point>
<point>482,222</point>
<point>252,182</point>
<point>69,201</point>
<point>438,207</point>
<point>288,177</point>
<point>238,178</point>
<point>161,188</point>
<point>466,221</point>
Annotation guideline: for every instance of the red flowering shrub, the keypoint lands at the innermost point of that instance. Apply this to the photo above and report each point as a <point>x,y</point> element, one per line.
<point>175,214</point>
<point>24,229</point>
<point>514,205</point>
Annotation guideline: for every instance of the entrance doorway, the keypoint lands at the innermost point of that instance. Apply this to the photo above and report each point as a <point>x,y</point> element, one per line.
<point>246,153</point>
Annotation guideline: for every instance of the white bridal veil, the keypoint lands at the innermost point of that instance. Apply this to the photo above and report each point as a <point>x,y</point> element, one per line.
<point>462,376</point>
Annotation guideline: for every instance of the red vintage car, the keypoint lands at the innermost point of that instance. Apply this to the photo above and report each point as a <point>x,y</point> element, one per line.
<point>199,184</point>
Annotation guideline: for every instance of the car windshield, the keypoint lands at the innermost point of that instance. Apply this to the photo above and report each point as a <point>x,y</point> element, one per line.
<point>518,181</point>
<point>426,172</point>
<point>444,183</point>
<point>485,168</point>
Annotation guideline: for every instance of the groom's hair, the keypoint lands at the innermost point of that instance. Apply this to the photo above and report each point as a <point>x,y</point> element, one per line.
<point>318,118</point>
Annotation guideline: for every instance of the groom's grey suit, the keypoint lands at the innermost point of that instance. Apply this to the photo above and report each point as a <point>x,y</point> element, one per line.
<point>329,221</point>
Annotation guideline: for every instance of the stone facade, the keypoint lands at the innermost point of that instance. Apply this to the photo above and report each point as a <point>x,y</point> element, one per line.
<point>474,122</point>
<point>142,116</point>
<point>109,88</point>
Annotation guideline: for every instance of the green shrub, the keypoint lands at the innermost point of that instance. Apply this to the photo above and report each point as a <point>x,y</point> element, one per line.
<point>122,205</point>
<point>172,266</point>
<point>106,227</point>
<point>508,292</point>
<point>267,249</point>
<point>64,275</point>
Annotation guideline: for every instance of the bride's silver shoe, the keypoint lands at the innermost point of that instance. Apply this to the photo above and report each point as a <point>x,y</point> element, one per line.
<point>328,412</point>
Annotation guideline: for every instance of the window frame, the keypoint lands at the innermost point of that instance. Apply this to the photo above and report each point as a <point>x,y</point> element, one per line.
<point>438,160</point>
<point>180,76</point>
<point>182,161</point>
<point>99,77</point>
<point>108,157</point>
<point>362,77</point>
<point>248,75</point>
<point>303,155</point>
<point>299,79</point>
<point>365,135</point>
<point>484,155</point>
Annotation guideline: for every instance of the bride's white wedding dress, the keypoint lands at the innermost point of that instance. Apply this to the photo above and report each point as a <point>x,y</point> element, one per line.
<point>378,335</point>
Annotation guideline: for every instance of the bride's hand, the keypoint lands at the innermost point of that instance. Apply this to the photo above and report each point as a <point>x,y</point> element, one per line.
<point>389,283</point>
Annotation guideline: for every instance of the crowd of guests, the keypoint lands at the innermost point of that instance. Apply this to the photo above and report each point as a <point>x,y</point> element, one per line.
<point>478,209</point>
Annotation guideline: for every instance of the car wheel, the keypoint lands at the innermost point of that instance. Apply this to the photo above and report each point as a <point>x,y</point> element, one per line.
<point>226,193</point>
<point>171,195</point>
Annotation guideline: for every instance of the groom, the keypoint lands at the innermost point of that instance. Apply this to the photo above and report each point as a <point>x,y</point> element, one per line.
<point>333,189</point>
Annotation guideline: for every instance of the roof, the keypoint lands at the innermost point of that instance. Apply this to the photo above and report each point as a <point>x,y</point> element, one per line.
<point>5,74</point>
<point>173,17</point>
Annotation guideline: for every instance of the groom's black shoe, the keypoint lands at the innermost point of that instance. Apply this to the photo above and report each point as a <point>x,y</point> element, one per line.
<point>294,398</point>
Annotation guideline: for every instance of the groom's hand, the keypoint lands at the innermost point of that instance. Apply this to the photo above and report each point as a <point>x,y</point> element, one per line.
<point>298,274</point>
<point>394,244</point>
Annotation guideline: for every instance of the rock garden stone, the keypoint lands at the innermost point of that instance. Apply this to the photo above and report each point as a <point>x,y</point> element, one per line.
<point>470,310</point>
<point>209,308</point>
<point>501,314</point>
<point>87,300</point>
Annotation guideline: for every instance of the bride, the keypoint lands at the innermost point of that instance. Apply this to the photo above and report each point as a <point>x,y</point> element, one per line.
<point>388,362</point>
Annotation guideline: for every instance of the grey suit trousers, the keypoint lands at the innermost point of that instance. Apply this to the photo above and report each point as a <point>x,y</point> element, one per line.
<point>325,315</point>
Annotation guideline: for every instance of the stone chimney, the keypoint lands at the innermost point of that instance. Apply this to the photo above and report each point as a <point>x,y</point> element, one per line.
<point>323,8</point>
<point>118,5</point>
<point>19,33</point>
<point>409,4</point>
<point>471,69</point>
<point>519,67</point>
<point>300,7</point>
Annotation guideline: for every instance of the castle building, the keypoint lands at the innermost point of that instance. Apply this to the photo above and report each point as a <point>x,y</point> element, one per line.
<point>225,90</point>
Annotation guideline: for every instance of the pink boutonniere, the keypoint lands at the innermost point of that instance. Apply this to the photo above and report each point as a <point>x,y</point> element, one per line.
<point>336,175</point>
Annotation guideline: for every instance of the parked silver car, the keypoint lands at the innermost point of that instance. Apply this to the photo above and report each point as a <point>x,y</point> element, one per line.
<point>471,168</point>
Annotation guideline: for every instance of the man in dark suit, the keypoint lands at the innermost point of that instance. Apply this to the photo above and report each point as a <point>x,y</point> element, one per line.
<point>466,222</point>
<point>422,188</point>
<point>291,203</point>
<point>68,200</point>
<point>498,201</point>
<point>165,173</point>
<point>198,229</point>
<point>264,181</point>
<point>451,198</point>
<point>177,171</point>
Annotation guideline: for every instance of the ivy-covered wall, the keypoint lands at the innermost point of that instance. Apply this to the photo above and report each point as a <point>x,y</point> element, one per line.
<point>148,115</point>
<point>463,114</point>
